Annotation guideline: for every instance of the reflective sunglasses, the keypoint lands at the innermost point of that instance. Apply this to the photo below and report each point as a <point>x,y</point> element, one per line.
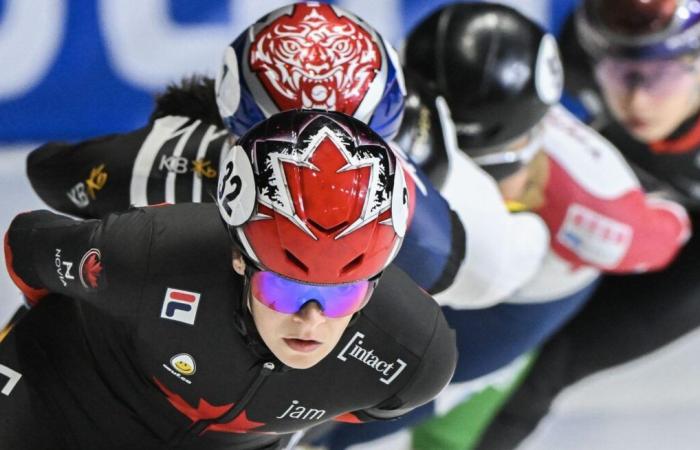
<point>658,77</point>
<point>289,296</point>
<point>509,154</point>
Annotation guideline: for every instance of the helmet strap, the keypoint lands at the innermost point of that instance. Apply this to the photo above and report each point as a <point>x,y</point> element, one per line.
<point>245,324</point>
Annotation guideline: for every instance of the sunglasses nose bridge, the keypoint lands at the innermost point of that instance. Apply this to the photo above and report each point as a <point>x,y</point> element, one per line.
<point>634,79</point>
<point>310,311</point>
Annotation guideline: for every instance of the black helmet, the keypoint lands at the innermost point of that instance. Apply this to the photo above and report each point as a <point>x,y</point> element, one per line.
<point>639,29</point>
<point>498,71</point>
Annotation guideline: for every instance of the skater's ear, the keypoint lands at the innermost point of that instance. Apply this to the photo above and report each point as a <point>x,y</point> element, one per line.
<point>238,262</point>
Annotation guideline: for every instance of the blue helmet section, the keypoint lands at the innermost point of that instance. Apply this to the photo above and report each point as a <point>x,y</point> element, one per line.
<point>388,114</point>
<point>427,260</point>
<point>248,112</point>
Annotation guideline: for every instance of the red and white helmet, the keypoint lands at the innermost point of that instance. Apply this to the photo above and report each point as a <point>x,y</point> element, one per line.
<point>315,196</point>
<point>311,55</point>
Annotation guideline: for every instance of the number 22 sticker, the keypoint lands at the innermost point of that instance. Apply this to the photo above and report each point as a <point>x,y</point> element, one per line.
<point>236,191</point>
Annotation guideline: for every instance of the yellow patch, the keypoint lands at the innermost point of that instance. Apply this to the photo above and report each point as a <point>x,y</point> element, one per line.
<point>183,368</point>
<point>96,181</point>
<point>183,363</point>
<point>203,168</point>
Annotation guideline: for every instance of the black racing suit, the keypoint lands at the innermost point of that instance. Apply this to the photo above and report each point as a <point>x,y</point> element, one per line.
<point>628,316</point>
<point>139,340</point>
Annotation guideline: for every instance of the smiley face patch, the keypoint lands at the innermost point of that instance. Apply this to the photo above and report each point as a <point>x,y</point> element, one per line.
<point>183,363</point>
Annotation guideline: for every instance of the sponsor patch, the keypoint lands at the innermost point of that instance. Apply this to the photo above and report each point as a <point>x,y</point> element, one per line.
<point>300,412</point>
<point>181,366</point>
<point>96,181</point>
<point>180,306</point>
<point>355,349</point>
<point>64,269</point>
<point>90,269</point>
<point>83,191</point>
<point>181,165</point>
<point>594,237</point>
<point>184,364</point>
<point>78,196</point>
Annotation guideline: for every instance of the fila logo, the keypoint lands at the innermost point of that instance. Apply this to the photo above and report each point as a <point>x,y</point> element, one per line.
<point>13,379</point>
<point>180,306</point>
<point>354,349</point>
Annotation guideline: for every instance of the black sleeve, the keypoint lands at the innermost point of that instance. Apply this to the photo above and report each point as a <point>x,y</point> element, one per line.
<point>174,159</point>
<point>414,320</point>
<point>436,370</point>
<point>89,179</point>
<point>104,262</point>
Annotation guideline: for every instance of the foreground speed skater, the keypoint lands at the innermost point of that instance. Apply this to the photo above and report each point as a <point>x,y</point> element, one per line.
<point>228,325</point>
<point>545,160</point>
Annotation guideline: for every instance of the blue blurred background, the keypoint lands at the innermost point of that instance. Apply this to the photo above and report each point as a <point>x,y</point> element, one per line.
<point>73,69</point>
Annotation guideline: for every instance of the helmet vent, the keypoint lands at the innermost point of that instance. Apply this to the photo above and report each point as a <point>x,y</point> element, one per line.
<point>353,264</point>
<point>328,230</point>
<point>296,261</point>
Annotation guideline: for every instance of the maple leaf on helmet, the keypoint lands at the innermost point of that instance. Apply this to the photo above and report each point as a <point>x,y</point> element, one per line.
<point>315,196</point>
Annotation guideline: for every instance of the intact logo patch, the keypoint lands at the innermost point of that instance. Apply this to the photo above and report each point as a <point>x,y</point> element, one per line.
<point>594,237</point>
<point>356,349</point>
<point>180,306</point>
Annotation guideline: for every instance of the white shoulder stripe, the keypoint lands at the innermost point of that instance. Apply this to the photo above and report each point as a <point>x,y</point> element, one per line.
<point>163,129</point>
